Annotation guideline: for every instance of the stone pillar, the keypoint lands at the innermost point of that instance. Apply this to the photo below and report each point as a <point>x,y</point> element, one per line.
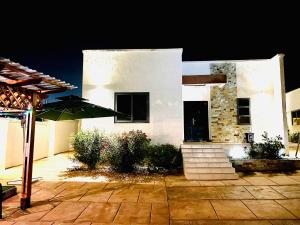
<point>223,115</point>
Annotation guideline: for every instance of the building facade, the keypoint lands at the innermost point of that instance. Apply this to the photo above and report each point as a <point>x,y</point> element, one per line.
<point>175,102</point>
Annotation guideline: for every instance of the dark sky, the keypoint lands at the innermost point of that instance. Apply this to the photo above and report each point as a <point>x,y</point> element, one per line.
<point>52,42</point>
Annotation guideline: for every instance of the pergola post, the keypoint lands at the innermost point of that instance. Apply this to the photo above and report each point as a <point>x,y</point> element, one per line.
<point>28,154</point>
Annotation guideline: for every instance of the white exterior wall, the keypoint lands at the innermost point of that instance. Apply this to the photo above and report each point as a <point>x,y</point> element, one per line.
<point>263,82</point>
<point>158,72</point>
<point>292,104</point>
<point>260,80</point>
<point>46,145</point>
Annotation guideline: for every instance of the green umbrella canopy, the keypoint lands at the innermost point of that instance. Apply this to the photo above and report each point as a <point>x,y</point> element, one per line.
<point>73,107</point>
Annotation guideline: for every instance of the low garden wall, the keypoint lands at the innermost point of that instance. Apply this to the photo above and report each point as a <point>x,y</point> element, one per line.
<point>261,165</point>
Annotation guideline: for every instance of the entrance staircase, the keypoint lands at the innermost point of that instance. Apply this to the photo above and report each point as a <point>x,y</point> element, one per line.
<point>206,162</point>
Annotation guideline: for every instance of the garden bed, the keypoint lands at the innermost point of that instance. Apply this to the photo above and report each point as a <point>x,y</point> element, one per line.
<point>8,191</point>
<point>266,165</point>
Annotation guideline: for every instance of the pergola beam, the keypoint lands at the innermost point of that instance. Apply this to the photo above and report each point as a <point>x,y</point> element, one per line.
<point>204,79</point>
<point>17,83</point>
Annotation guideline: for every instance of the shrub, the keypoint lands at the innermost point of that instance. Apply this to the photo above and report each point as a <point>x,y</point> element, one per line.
<point>268,149</point>
<point>294,137</point>
<point>87,146</point>
<point>164,156</point>
<point>125,151</point>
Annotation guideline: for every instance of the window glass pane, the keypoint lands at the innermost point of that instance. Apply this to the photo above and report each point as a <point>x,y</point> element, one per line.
<point>140,107</point>
<point>244,120</point>
<point>243,102</point>
<point>124,106</point>
<point>244,111</point>
<point>296,117</point>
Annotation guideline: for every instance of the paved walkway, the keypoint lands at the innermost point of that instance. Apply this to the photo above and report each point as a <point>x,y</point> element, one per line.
<point>257,199</point>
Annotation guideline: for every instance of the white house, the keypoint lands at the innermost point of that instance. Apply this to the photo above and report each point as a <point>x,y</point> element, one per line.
<point>181,102</point>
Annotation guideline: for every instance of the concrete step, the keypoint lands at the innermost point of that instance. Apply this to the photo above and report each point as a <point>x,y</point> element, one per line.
<point>204,154</point>
<point>216,176</point>
<point>204,159</point>
<point>209,170</point>
<point>202,150</point>
<point>201,146</point>
<point>207,164</point>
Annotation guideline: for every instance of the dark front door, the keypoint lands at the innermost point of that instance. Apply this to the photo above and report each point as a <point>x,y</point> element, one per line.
<point>196,121</point>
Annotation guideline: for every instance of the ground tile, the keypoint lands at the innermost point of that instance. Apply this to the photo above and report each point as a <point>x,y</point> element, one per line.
<point>71,194</point>
<point>232,209</point>
<point>259,181</point>
<point>12,202</point>
<point>268,209</point>
<point>99,212</point>
<point>25,216</point>
<point>285,222</point>
<point>245,222</point>
<point>192,193</point>
<point>71,185</point>
<point>79,223</point>
<point>153,196</point>
<point>50,185</point>
<point>125,195</point>
<point>213,183</point>
<point>93,186</point>
<point>295,178</point>
<point>205,222</point>
<point>179,222</point>
<point>288,191</point>
<point>9,210</point>
<point>34,213</point>
<point>283,180</point>
<point>65,212</point>
<point>264,192</point>
<point>96,195</point>
<point>293,205</point>
<point>117,186</point>
<point>201,209</point>
<point>33,223</point>
<point>159,214</point>
<point>44,195</point>
<point>142,186</point>
<point>239,182</point>
<point>133,213</point>
<point>234,192</point>
<point>2,222</point>
<point>182,183</point>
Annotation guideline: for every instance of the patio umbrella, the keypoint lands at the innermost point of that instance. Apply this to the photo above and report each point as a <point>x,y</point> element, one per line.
<point>73,107</point>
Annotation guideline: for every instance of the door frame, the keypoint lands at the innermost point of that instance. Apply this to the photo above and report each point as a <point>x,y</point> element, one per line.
<point>208,118</point>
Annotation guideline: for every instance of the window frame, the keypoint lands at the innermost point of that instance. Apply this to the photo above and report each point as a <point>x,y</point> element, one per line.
<point>297,111</point>
<point>133,94</point>
<point>245,107</point>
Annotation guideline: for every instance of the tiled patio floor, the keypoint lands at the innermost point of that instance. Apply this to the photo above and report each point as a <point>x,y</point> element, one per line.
<point>256,199</point>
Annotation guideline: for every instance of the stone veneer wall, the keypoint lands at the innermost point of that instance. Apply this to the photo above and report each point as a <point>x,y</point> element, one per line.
<point>223,114</point>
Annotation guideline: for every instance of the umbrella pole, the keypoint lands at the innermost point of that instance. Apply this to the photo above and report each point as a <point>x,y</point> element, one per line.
<point>28,154</point>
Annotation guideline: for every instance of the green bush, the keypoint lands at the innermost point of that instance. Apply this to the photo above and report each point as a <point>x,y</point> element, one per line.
<point>294,137</point>
<point>163,156</point>
<point>125,151</point>
<point>268,149</point>
<point>87,146</point>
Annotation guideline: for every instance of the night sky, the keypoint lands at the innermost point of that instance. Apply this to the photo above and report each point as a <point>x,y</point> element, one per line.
<point>52,43</point>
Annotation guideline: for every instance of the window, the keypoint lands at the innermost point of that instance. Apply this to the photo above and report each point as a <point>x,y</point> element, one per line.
<point>243,111</point>
<point>296,117</point>
<point>135,105</point>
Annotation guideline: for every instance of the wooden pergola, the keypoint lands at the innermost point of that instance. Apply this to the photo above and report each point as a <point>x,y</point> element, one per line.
<point>23,89</point>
